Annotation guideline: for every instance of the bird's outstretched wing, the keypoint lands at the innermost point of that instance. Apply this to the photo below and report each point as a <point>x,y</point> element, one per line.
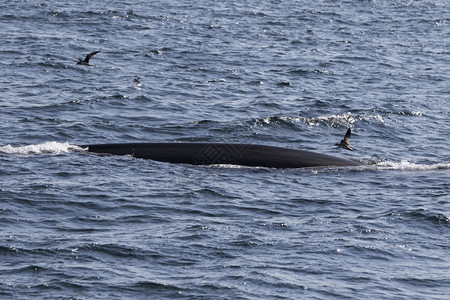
<point>344,142</point>
<point>347,136</point>
<point>89,56</point>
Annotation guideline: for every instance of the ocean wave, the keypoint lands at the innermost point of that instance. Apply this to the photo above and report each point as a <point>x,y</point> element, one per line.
<point>341,119</point>
<point>429,216</point>
<point>43,148</point>
<point>346,119</point>
<point>405,165</point>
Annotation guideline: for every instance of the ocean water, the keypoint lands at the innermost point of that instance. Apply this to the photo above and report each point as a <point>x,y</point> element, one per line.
<point>295,74</point>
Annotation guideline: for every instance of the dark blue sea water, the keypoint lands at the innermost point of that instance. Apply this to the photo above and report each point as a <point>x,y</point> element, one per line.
<point>294,74</point>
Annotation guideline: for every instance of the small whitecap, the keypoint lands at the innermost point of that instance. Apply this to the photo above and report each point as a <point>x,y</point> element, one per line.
<point>405,165</point>
<point>347,118</point>
<point>44,148</point>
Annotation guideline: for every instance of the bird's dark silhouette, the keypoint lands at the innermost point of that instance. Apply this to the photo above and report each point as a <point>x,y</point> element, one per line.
<point>85,62</point>
<point>344,142</point>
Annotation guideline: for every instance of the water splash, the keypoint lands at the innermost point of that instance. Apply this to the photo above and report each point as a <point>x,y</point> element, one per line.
<point>342,119</point>
<point>346,119</point>
<point>405,165</point>
<point>44,148</point>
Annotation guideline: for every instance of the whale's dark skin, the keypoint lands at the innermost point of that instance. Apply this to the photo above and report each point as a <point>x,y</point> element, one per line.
<point>222,153</point>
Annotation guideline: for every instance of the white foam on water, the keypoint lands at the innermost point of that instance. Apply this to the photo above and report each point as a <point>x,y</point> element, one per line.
<point>44,148</point>
<point>345,118</point>
<point>405,165</point>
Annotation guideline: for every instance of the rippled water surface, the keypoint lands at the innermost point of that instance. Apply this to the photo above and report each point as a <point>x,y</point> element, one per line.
<point>293,74</point>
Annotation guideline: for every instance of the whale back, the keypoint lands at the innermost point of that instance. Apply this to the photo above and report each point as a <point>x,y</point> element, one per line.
<point>222,153</point>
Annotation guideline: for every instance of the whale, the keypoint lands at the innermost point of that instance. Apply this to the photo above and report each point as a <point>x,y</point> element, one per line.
<point>250,155</point>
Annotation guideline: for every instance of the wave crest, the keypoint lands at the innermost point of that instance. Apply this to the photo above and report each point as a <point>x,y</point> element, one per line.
<point>346,119</point>
<point>405,165</point>
<point>44,148</point>
<point>342,119</point>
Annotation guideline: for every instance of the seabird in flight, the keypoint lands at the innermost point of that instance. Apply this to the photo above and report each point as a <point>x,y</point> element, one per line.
<point>85,62</point>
